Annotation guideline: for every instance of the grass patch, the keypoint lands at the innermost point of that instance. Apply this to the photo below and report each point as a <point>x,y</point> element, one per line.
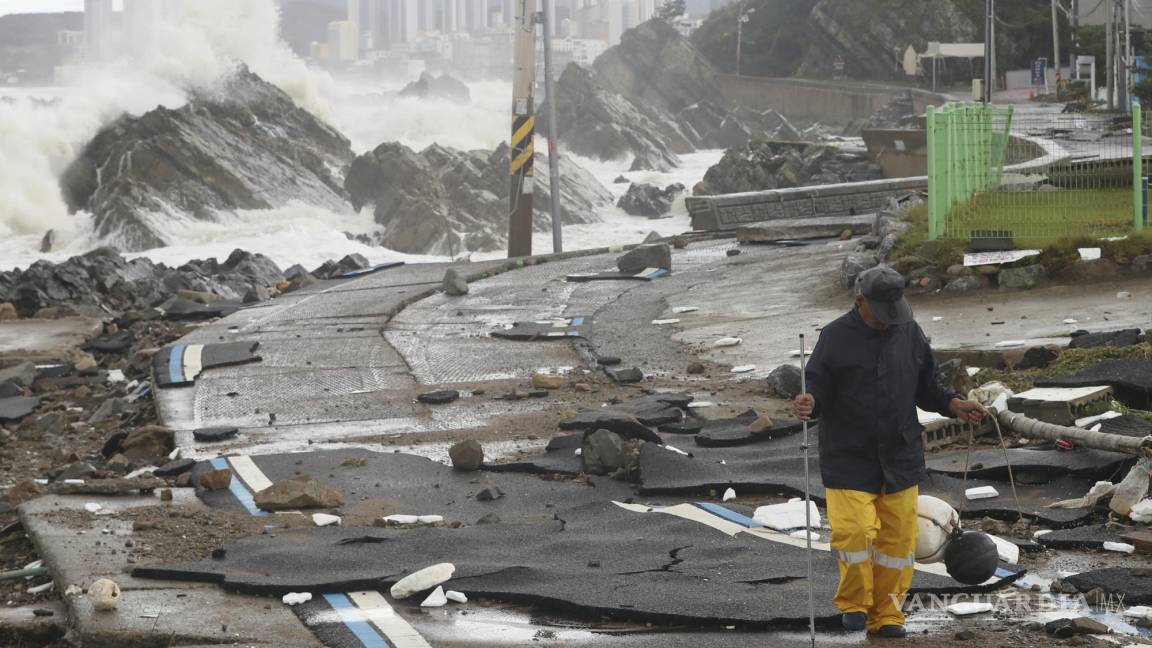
<point>1071,361</point>
<point>1040,218</point>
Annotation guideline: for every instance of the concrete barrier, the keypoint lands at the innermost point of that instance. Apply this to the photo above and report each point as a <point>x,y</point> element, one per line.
<point>731,211</point>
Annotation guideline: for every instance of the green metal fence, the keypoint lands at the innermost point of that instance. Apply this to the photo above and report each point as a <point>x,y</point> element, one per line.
<point>1034,176</point>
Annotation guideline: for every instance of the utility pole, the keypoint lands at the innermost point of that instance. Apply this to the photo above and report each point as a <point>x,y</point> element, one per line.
<point>1056,46</point>
<point>1110,53</point>
<point>1074,50</point>
<point>523,129</point>
<point>553,146</point>
<point>1127,59</point>
<point>989,34</point>
<point>744,17</point>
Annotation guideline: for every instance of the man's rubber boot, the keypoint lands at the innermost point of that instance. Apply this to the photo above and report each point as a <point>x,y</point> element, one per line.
<point>892,632</point>
<point>854,621</point>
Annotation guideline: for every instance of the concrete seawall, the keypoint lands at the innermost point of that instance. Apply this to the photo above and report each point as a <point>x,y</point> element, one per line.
<point>834,102</point>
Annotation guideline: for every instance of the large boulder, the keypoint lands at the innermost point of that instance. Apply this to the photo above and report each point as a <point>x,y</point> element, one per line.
<point>784,381</point>
<point>854,264</point>
<point>241,145</point>
<point>1023,278</point>
<point>643,257</point>
<point>602,452</point>
<point>302,492</point>
<point>150,442</point>
<point>648,200</point>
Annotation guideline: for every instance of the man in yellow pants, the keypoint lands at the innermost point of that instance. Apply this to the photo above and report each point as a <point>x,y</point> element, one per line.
<point>867,375</point>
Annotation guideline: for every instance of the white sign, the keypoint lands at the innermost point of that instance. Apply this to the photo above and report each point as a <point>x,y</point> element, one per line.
<point>996,258</point>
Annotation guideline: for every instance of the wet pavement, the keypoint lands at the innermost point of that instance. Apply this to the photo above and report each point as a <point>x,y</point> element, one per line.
<point>343,362</point>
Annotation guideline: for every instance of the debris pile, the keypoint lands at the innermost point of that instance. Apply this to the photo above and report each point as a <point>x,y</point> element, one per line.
<point>762,165</point>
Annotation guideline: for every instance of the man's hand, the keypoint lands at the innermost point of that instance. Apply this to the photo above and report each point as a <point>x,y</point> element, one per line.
<point>967,410</point>
<point>805,404</point>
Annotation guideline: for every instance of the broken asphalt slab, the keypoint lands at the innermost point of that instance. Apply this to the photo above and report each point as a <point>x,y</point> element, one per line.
<point>1030,465</point>
<point>377,484</point>
<point>559,329</point>
<point>1135,585</point>
<point>1085,537</point>
<point>736,432</point>
<point>180,364</point>
<point>595,561</point>
<point>1131,380</point>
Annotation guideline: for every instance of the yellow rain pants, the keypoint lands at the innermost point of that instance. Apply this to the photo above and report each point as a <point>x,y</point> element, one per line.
<point>874,540</point>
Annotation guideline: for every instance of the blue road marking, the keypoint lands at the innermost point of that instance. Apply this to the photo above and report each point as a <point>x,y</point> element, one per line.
<point>176,364</point>
<point>352,618</point>
<point>239,490</point>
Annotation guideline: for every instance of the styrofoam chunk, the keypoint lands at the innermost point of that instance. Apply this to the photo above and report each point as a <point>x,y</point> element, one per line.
<point>968,609</point>
<point>699,404</point>
<point>727,342</point>
<point>1039,532</point>
<point>1009,553</point>
<point>664,322</point>
<point>1119,547</point>
<point>1070,321</point>
<point>1138,612</point>
<point>1090,420</point>
<point>456,597</point>
<point>676,450</point>
<point>743,368</point>
<point>1009,344</point>
<point>402,519</point>
<point>324,519</point>
<point>1142,511</point>
<point>729,495</point>
<point>423,580</point>
<point>981,492</point>
<point>431,519</point>
<point>92,507</point>
<point>296,598</point>
<point>436,599</point>
<point>784,517</point>
<point>685,309</point>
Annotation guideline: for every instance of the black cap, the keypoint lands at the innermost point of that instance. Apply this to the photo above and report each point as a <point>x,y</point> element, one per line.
<point>883,287</point>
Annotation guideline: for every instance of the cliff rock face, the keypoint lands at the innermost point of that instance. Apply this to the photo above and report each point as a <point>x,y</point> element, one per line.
<point>243,145</point>
<point>653,97</point>
<point>437,87</point>
<point>445,201</point>
<point>805,37</point>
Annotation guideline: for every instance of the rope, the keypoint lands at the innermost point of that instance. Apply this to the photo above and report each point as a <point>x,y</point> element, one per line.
<point>1007,462</point>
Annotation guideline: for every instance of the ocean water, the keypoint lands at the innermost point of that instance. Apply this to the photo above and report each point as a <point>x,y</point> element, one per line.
<point>43,129</point>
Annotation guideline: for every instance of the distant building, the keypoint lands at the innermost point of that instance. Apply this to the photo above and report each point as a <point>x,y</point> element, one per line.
<point>100,25</point>
<point>343,41</point>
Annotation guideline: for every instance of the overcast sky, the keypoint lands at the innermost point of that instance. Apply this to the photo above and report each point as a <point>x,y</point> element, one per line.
<point>35,6</point>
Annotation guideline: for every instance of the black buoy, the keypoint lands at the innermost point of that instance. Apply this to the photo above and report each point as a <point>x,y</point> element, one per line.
<point>971,558</point>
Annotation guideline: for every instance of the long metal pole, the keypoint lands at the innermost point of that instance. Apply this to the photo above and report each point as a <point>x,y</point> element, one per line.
<point>808,503</point>
<point>988,12</point>
<point>1056,47</point>
<point>739,41</point>
<point>1126,60</point>
<point>523,130</point>
<point>553,129</point>
<point>1110,52</point>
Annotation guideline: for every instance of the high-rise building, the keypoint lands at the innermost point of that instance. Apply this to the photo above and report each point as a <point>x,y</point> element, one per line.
<point>343,41</point>
<point>98,26</point>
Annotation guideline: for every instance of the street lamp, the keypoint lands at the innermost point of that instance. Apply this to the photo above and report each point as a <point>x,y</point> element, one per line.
<point>744,17</point>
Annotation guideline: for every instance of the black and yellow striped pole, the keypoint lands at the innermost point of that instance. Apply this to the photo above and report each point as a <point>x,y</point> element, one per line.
<point>523,130</point>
